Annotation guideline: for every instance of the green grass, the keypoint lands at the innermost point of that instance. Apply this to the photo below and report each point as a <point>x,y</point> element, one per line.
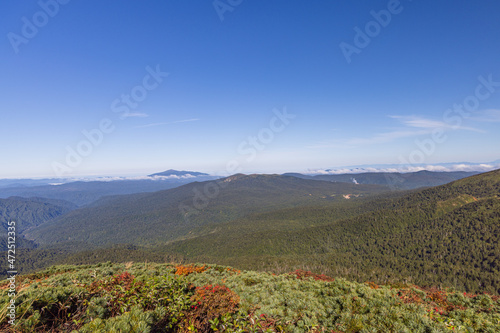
<point>147,297</point>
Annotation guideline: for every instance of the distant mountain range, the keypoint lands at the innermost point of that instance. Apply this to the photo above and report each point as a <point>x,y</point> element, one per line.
<point>170,173</point>
<point>86,192</point>
<point>4,183</point>
<point>445,235</point>
<point>164,216</point>
<point>395,180</point>
<point>404,168</point>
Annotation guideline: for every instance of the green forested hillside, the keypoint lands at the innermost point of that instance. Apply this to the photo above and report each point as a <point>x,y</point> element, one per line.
<point>409,180</point>
<point>31,212</point>
<point>441,236</point>
<point>448,235</point>
<point>160,217</point>
<point>28,213</point>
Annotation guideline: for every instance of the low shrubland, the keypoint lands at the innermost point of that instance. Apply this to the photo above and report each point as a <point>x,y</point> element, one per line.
<point>147,297</point>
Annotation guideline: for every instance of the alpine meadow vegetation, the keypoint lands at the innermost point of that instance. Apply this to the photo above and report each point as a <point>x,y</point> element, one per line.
<point>151,297</point>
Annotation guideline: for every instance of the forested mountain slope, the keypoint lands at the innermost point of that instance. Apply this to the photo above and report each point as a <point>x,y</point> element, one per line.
<point>86,192</point>
<point>28,213</point>
<point>409,180</point>
<point>160,217</point>
<point>442,236</point>
<point>445,235</point>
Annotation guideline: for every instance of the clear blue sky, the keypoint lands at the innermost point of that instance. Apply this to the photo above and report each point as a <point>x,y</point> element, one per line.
<point>65,70</point>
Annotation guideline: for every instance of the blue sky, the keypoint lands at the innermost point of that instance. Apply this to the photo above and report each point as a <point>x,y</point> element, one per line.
<point>382,96</point>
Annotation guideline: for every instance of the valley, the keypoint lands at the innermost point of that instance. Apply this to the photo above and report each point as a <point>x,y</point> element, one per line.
<point>276,253</point>
<point>445,235</point>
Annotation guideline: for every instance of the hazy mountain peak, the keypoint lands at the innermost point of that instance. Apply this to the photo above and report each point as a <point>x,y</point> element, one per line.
<point>172,172</point>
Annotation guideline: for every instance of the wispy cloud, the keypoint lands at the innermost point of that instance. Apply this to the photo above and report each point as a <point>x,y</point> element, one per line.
<point>387,137</point>
<point>375,139</point>
<point>444,167</point>
<point>134,114</point>
<point>168,123</point>
<point>488,116</point>
<point>115,178</point>
<point>411,126</point>
<point>419,122</point>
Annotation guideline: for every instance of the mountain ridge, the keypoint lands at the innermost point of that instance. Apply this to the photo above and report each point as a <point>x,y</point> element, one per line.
<point>430,236</point>
<point>179,211</point>
<point>397,180</point>
<point>443,235</point>
<point>172,172</point>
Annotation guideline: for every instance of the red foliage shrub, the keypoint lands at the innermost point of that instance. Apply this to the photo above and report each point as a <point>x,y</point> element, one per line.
<point>372,285</point>
<point>409,296</point>
<point>186,270</point>
<point>301,274</point>
<point>470,295</point>
<point>210,302</point>
<point>233,271</point>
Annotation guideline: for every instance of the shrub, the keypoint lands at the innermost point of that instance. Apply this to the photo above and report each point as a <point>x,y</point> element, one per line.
<point>186,270</point>
<point>210,303</point>
<point>301,274</point>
